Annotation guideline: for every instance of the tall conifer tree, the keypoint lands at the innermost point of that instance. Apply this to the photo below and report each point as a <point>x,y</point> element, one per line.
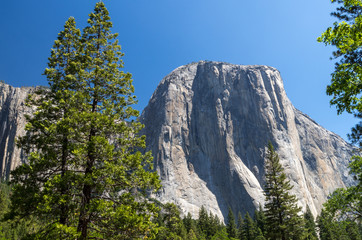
<point>214,224</point>
<point>251,230</point>
<point>283,220</point>
<point>231,225</point>
<point>188,221</point>
<point>310,226</point>
<point>42,186</point>
<point>241,233</point>
<point>86,178</point>
<point>172,224</point>
<point>203,221</point>
<point>259,218</point>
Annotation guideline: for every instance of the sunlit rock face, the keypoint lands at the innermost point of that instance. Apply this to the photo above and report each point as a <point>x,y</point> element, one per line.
<point>12,123</point>
<point>208,124</point>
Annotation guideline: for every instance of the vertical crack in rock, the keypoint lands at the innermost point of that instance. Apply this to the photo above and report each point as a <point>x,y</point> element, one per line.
<point>12,123</point>
<point>208,124</point>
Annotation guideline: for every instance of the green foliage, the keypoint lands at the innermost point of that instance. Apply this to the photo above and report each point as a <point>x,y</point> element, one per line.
<point>251,230</point>
<point>241,233</point>
<point>203,222</point>
<point>231,225</point>
<point>259,235</point>
<point>346,36</point>
<point>330,229</point>
<point>12,229</point>
<point>87,178</point>
<point>4,198</point>
<point>221,235</point>
<point>341,215</point>
<point>207,226</point>
<point>354,230</point>
<point>346,203</point>
<point>309,226</point>
<point>282,214</point>
<point>188,222</point>
<point>214,224</point>
<point>191,226</point>
<point>191,235</point>
<point>172,226</point>
<point>260,219</point>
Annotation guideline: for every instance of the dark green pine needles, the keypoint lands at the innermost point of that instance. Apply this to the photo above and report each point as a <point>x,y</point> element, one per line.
<point>283,216</point>
<point>85,177</point>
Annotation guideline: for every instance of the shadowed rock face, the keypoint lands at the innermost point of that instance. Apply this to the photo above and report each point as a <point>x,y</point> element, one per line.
<point>208,125</point>
<point>12,123</point>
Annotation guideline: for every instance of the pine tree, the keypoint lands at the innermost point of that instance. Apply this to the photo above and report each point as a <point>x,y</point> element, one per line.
<point>325,226</point>
<point>173,227</point>
<point>310,226</point>
<point>14,229</point>
<point>85,177</point>
<point>191,235</point>
<point>190,226</point>
<point>251,231</point>
<point>221,235</point>
<point>282,214</point>
<point>188,221</point>
<point>216,221</point>
<point>203,222</point>
<point>231,226</point>
<point>241,233</point>
<point>214,224</point>
<point>259,235</point>
<point>259,218</point>
<point>42,186</point>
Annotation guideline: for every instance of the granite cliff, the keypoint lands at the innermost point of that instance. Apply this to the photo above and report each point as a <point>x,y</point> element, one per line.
<point>12,123</point>
<point>208,124</point>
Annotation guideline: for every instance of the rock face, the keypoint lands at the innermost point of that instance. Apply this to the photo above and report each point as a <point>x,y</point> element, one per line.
<point>12,123</point>
<point>208,124</point>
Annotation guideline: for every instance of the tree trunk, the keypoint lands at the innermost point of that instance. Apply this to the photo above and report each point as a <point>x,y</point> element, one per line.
<point>87,188</point>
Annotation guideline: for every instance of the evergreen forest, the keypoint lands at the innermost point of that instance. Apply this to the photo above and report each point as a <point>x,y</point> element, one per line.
<point>87,176</point>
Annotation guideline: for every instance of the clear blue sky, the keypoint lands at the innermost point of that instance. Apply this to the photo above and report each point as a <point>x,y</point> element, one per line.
<point>158,36</point>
